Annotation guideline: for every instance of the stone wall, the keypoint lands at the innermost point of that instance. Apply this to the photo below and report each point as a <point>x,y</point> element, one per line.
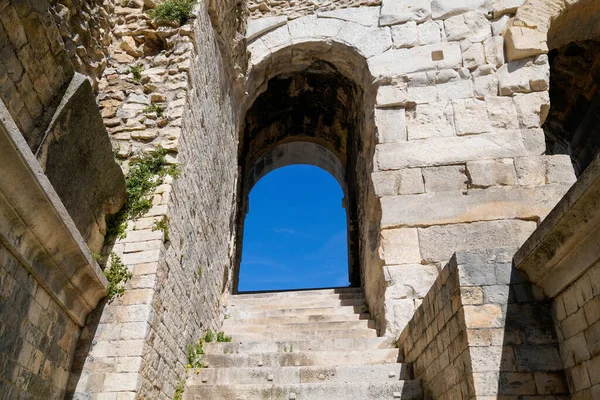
<point>86,29</point>
<point>295,9</point>
<point>37,337</point>
<point>459,154</point>
<point>137,344</point>
<point>484,330</point>
<point>35,69</point>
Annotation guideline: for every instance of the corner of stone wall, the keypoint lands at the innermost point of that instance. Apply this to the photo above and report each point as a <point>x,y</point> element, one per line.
<point>484,330</point>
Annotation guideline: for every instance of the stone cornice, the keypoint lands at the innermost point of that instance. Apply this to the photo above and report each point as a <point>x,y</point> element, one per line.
<point>567,242</point>
<point>37,229</point>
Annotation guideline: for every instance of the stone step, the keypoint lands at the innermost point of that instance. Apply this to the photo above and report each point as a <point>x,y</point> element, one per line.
<point>305,335</point>
<point>292,311</point>
<point>295,375</point>
<point>236,301</point>
<point>297,293</point>
<point>319,344</point>
<point>233,328</point>
<point>405,390</point>
<point>301,358</point>
<point>289,305</point>
<point>295,319</point>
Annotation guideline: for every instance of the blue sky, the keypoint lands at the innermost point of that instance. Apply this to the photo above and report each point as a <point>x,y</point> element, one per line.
<point>295,233</point>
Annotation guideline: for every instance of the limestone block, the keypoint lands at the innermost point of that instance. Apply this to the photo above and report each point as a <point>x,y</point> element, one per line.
<point>391,183</point>
<point>470,116</point>
<point>277,38</point>
<point>524,76</point>
<point>445,178</point>
<point>430,32</point>
<point>473,56</point>
<point>129,46</point>
<point>523,42</point>
<point>442,9</point>
<point>405,35</point>
<point>431,120</point>
<point>423,58</point>
<point>368,41</point>
<point>408,281</point>
<point>400,246</point>
<point>494,50</point>
<point>486,173</point>
<point>502,7</point>
<point>396,12</point>
<point>329,27</point>
<point>391,125</point>
<point>485,85</point>
<point>367,16</point>
<point>303,28</point>
<point>531,171</point>
<point>471,25</point>
<point>502,112</point>
<point>421,153</point>
<point>484,316</point>
<point>398,313</point>
<point>532,108</point>
<point>260,26</point>
<point>422,94</point>
<point>258,52</point>
<point>500,25</point>
<point>559,169</point>
<point>391,96</point>
<point>494,203</point>
<point>456,89</point>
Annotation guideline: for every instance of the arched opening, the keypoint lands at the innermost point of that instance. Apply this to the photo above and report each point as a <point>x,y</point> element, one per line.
<point>310,114</point>
<point>295,233</point>
<point>573,123</point>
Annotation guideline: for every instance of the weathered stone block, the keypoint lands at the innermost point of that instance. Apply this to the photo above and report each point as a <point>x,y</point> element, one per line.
<point>502,112</point>
<point>494,51</point>
<point>405,35</point>
<point>438,243</point>
<point>470,116</point>
<point>391,96</point>
<point>524,76</point>
<point>391,125</point>
<point>532,108</point>
<point>397,12</point>
<point>472,26</point>
<point>445,178</point>
<point>442,9</point>
<point>473,55</point>
<point>431,120</point>
<point>400,246</point>
<point>477,205</point>
<point>430,32</point>
<point>486,173</point>
<point>523,42</point>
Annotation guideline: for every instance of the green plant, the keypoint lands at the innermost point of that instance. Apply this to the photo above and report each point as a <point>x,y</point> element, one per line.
<point>154,108</point>
<point>95,256</point>
<point>209,336</point>
<point>162,225</point>
<point>179,388</point>
<point>117,275</point>
<point>226,316</point>
<point>199,272</point>
<point>173,10</point>
<point>222,338</point>
<point>136,72</point>
<point>195,353</point>
<point>146,173</point>
<point>291,348</point>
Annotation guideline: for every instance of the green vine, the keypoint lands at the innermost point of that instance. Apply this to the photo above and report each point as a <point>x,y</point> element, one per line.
<point>146,173</point>
<point>117,275</point>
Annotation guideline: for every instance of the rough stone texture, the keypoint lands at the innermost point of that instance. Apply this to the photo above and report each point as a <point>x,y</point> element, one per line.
<point>484,330</point>
<point>78,159</point>
<point>35,363</point>
<point>34,66</point>
<point>292,10</point>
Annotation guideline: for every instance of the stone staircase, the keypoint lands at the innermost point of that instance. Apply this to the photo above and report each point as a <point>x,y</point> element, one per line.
<point>303,345</point>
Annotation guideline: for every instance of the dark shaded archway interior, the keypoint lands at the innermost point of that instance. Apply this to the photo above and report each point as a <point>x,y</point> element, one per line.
<point>573,124</point>
<point>317,105</point>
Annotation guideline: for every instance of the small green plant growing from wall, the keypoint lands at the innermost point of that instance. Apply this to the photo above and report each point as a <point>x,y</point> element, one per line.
<point>209,336</point>
<point>223,338</point>
<point>117,275</point>
<point>179,389</point>
<point>163,226</point>
<point>195,353</point>
<point>147,171</point>
<point>173,10</point>
<point>136,72</point>
<point>154,108</point>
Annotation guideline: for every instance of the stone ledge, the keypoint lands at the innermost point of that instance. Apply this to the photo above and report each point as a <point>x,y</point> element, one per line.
<point>39,231</point>
<point>558,252</point>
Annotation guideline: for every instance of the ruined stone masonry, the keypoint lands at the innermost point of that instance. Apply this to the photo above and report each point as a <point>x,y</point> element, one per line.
<point>464,135</point>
